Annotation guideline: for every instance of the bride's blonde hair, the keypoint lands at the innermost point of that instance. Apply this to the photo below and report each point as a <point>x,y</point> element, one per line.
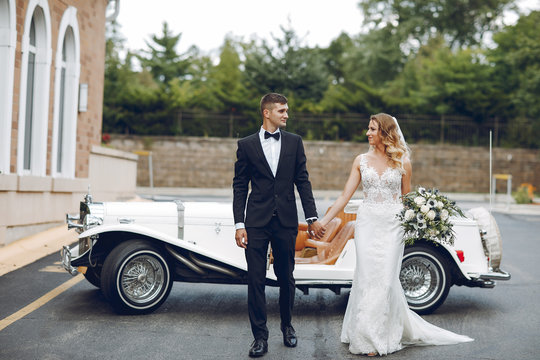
<point>394,146</point>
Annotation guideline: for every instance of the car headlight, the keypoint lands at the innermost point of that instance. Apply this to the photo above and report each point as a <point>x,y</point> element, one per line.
<point>91,221</point>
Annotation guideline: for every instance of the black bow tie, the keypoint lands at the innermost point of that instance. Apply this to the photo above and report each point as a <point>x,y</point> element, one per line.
<point>274,135</point>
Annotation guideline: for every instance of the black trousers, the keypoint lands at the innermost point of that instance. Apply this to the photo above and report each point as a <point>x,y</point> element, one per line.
<point>283,241</point>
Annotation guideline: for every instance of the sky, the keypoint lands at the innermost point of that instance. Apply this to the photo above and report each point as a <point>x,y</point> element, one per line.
<point>205,23</point>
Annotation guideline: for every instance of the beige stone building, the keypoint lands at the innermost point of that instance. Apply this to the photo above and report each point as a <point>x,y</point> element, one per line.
<point>52,56</point>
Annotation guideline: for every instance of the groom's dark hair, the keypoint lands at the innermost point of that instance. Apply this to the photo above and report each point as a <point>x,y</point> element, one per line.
<point>272,98</point>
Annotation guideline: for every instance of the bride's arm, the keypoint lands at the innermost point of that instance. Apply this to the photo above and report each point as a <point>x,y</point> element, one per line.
<point>406,178</point>
<point>350,187</point>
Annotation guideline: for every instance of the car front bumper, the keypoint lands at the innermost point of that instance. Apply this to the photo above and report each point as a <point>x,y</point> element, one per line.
<point>66,254</point>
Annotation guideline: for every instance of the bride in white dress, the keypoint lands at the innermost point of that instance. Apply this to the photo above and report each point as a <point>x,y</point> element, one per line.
<point>377,320</point>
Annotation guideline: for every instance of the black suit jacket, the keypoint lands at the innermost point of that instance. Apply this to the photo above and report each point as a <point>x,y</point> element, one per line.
<point>269,193</point>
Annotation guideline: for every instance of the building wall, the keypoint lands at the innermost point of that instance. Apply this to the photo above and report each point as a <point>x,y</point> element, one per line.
<point>32,201</point>
<point>209,163</point>
<point>91,21</point>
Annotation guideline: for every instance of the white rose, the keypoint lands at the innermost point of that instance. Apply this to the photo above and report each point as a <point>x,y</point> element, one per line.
<point>431,215</point>
<point>424,209</point>
<point>419,200</point>
<point>409,215</point>
<point>439,205</point>
<point>444,214</point>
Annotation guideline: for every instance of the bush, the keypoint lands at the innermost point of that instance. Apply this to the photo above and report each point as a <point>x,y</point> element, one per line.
<point>524,194</point>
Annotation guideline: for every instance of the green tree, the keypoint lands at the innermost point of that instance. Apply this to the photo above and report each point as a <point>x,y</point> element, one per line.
<point>336,56</point>
<point>133,101</point>
<point>442,81</point>
<point>289,68</point>
<point>162,59</point>
<point>517,63</point>
<point>118,75</point>
<point>376,57</point>
<point>517,70</point>
<point>461,22</point>
<point>229,87</point>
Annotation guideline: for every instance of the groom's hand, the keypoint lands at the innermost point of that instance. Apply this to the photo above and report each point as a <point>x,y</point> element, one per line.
<point>316,229</point>
<point>241,238</point>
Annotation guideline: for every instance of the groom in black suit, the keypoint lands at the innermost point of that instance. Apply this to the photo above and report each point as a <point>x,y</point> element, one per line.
<point>273,162</point>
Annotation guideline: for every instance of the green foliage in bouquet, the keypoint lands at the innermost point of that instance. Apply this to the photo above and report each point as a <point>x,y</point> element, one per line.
<point>426,215</point>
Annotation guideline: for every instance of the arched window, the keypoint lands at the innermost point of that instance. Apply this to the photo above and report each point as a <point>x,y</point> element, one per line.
<point>34,95</point>
<point>66,91</point>
<point>8,39</point>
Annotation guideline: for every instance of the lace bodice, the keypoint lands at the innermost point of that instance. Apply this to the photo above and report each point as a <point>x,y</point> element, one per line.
<point>380,189</point>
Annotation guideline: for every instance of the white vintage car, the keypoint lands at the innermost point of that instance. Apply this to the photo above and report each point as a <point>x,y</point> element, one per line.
<point>134,251</point>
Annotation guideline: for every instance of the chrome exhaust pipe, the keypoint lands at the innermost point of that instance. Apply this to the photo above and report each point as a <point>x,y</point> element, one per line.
<point>211,266</point>
<point>185,261</point>
<point>196,264</point>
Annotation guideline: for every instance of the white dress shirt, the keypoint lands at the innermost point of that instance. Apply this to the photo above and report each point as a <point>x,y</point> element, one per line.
<point>271,148</point>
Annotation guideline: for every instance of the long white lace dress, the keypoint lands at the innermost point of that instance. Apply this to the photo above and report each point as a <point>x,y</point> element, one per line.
<point>377,318</point>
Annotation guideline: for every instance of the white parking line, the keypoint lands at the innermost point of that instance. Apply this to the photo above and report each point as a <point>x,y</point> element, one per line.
<point>39,302</point>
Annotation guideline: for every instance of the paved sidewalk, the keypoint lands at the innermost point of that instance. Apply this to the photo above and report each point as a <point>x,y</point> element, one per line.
<point>25,251</point>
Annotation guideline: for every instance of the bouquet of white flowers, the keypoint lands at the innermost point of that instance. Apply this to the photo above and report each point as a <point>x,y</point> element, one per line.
<point>426,215</point>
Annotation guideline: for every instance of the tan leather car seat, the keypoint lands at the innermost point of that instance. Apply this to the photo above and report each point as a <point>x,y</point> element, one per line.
<point>345,217</point>
<point>328,253</point>
<point>303,237</point>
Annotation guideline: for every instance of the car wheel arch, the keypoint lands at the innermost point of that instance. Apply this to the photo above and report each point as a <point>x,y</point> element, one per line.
<point>444,251</point>
<point>107,241</point>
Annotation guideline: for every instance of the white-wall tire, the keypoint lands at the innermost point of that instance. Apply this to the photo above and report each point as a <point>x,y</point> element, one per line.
<point>136,277</point>
<point>425,278</point>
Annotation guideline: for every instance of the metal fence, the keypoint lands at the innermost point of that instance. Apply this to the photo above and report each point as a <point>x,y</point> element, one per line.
<point>422,129</point>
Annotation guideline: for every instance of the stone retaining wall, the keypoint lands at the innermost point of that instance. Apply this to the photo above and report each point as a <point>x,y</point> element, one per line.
<point>209,163</point>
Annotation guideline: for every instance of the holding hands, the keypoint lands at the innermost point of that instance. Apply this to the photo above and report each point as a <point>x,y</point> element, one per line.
<point>316,229</point>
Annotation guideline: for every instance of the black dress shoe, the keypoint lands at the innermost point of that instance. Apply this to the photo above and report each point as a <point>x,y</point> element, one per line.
<point>258,348</point>
<point>289,336</point>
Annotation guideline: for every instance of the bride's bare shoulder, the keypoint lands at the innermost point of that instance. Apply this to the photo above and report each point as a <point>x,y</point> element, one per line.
<point>367,155</point>
<point>359,157</point>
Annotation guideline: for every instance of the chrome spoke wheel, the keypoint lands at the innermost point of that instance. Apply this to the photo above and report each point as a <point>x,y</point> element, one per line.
<point>136,277</point>
<point>425,277</point>
<point>419,279</point>
<point>142,279</point>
